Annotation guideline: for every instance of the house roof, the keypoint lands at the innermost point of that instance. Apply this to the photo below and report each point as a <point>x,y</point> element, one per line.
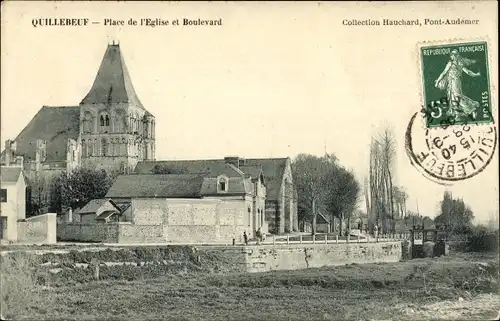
<point>321,219</point>
<point>94,205</point>
<point>272,168</point>
<point>156,185</point>
<point>53,124</point>
<point>112,83</point>
<point>104,215</point>
<point>10,174</point>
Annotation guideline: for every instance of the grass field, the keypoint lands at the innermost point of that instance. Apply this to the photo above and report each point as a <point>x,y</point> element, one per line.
<point>454,287</point>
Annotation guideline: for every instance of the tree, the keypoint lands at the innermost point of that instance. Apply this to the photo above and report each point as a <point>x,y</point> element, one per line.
<point>381,172</point>
<point>309,174</point>
<point>83,185</point>
<point>324,186</point>
<point>343,194</point>
<point>455,214</point>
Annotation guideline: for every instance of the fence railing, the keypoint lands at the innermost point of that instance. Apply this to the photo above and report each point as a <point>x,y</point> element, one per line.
<point>325,239</point>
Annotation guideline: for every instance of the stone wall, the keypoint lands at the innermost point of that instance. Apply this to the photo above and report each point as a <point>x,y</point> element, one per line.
<point>194,220</point>
<point>300,256</point>
<point>87,232</point>
<point>38,229</point>
<point>205,221</point>
<point>122,232</point>
<point>129,233</point>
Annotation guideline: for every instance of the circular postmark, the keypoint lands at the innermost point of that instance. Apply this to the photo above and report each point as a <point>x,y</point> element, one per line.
<point>450,153</point>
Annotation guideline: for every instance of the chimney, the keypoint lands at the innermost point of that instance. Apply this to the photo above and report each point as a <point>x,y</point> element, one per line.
<point>235,161</point>
<point>8,152</point>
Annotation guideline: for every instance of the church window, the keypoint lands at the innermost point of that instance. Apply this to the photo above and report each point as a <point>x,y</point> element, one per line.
<point>104,122</point>
<point>87,122</point>
<point>119,121</point>
<point>84,148</point>
<point>123,147</point>
<point>222,183</point>
<point>104,147</point>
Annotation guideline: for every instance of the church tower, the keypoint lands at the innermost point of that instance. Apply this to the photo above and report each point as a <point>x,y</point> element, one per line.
<point>116,131</point>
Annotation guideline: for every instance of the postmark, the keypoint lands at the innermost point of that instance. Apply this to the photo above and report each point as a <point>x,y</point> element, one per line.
<point>455,83</point>
<point>449,153</point>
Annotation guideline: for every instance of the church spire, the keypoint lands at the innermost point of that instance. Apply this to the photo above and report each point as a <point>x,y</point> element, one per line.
<point>112,83</point>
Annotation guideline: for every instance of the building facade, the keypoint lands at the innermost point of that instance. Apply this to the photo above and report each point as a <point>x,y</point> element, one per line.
<point>280,209</point>
<point>12,201</point>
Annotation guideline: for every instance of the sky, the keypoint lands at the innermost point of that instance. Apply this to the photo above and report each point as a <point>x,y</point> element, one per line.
<point>275,80</point>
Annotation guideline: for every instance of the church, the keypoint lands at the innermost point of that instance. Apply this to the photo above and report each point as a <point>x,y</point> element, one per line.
<point>111,129</point>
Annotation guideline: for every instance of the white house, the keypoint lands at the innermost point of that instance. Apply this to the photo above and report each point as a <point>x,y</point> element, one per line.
<point>12,201</point>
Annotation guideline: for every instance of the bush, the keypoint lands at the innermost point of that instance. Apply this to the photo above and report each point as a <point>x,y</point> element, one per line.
<point>17,284</point>
<point>483,241</point>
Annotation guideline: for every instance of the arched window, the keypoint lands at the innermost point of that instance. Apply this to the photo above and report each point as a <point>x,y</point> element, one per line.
<point>104,147</point>
<point>123,147</point>
<point>87,122</point>
<point>84,148</point>
<point>119,121</point>
<point>222,184</point>
<point>104,123</point>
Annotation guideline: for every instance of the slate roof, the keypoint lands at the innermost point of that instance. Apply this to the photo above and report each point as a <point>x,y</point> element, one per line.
<point>10,174</point>
<point>272,168</point>
<point>53,124</point>
<point>236,185</point>
<point>112,83</point>
<point>156,185</point>
<point>104,215</point>
<point>321,219</point>
<point>94,205</point>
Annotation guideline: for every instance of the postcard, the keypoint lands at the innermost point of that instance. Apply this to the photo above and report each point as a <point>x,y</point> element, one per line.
<point>249,160</point>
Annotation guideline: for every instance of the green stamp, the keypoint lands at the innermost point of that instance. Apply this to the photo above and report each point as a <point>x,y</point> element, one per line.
<point>456,84</point>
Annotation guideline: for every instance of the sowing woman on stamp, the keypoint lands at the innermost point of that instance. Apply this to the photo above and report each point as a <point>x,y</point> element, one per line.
<point>451,81</point>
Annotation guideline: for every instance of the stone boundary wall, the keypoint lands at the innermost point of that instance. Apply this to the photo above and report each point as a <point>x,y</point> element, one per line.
<point>110,233</point>
<point>265,258</point>
<point>260,258</point>
<point>40,229</point>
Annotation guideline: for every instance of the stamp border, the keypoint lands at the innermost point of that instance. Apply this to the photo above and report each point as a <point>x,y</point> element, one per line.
<point>451,41</point>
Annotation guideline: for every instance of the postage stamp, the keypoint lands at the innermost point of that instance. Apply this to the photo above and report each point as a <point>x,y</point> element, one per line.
<point>456,83</point>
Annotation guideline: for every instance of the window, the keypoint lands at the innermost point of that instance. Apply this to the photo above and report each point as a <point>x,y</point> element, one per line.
<point>104,147</point>
<point>3,195</point>
<point>249,215</point>
<point>222,183</point>
<point>87,122</point>
<point>104,122</point>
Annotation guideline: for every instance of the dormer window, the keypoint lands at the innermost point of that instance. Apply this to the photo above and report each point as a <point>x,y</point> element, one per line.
<point>222,184</point>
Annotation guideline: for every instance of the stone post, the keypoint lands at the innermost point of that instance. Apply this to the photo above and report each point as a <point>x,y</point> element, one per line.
<point>95,268</point>
<point>300,238</point>
<point>70,215</point>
